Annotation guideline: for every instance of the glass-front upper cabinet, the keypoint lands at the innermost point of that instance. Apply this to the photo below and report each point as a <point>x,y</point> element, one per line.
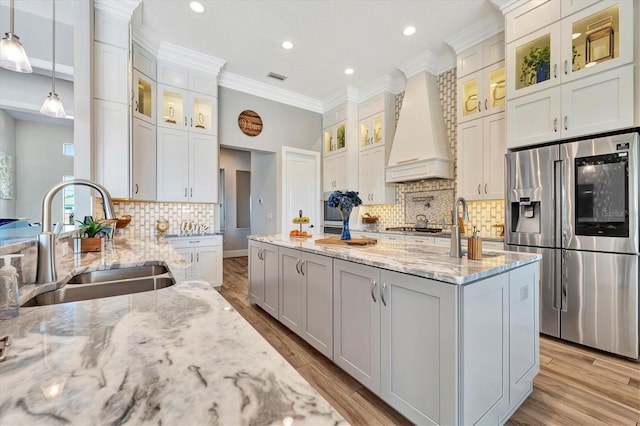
<point>594,39</point>
<point>482,92</point>
<point>185,110</point>
<point>372,131</point>
<point>335,138</point>
<point>144,92</point>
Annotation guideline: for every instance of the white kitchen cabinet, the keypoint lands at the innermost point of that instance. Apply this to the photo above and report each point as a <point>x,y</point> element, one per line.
<point>481,149</point>
<point>335,138</point>
<point>417,345</point>
<point>188,79</point>
<point>375,115</point>
<point>334,172</point>
<point>185,110</point>
<point>263,276</point>
<point>356,331</point>
<point>143,160</point>
<point>110,77</point>
<point>481,55</point>
<point>111,134</point>
<point>187,166</point>
<point>144,62</point>
<point>595,39</point>
<point>205,255</point>
<point>597,103</point>
<point>143,99</point>
<point>420,240</point>
<point>482,93</point>
<point>393,236</point>
<point>306,297</point>
<point>373,188</point>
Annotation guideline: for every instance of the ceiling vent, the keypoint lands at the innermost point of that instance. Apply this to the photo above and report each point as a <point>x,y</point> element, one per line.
<point>277,76</point>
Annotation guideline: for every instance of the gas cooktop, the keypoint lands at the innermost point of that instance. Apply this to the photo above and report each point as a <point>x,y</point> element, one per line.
<point>414,229</point>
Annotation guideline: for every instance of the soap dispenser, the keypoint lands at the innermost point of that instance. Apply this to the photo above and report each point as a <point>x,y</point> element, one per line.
<point>9,296</point>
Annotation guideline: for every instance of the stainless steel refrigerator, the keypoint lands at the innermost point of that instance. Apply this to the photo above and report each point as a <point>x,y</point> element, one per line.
<point>576,203</point>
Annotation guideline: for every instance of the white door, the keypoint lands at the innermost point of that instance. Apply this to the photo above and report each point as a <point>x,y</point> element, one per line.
<point>469,159</point>
<point>300,186</point>
<point>317,322</point>
<point>290,313</point>
<point>256,273</point>
<point>271,295</point>
<point>209,262</point>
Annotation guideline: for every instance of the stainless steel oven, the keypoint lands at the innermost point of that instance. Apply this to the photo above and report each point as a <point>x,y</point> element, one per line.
<point>331,215</point>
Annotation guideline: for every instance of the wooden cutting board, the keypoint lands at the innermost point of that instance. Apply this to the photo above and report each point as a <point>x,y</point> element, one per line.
<point>351,242</point>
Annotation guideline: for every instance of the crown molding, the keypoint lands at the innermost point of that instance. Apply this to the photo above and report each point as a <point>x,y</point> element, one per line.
<point>123,8</point>
<point>256,88</point>
<point>426,61</point>
<point>386,83</point>
<point>474,34</point>
<point>507,6</point>
<point>146,39</point>
<point>348,94</point>
<point>190,58</point>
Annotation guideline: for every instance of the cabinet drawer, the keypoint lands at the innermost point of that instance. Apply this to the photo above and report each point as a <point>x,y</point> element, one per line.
<point>197,241</point>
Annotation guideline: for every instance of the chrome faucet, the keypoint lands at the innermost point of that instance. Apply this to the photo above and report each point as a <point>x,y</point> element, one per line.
<point>46,272</point>
<point>456,248</point>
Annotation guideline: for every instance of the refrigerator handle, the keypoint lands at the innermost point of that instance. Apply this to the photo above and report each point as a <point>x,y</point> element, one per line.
<point>558,182</point>
<point>557,279</point>
<point>563,277</point>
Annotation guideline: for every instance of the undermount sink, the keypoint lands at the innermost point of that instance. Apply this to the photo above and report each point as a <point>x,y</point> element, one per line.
<point>106,283</point>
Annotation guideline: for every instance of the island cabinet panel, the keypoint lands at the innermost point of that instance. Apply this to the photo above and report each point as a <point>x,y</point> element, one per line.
<point>263,276</point>
<point>524,343</point>
<point>306,297</point>
<point>418,347</point>
<point>356,322</point>
<point>484,349</point>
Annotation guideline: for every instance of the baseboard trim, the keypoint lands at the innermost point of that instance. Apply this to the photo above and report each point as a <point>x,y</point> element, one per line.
<point>235,253</point>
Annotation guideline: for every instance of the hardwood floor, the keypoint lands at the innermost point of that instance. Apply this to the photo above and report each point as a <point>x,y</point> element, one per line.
<point>576,385</point>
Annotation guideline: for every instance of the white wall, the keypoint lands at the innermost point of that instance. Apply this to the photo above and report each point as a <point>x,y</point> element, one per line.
<point>40,165</point>
<point>283,125</point>
<point>263,188</point>
<point>232,160</point>
<point>8,146</point>
<point>27,92</point>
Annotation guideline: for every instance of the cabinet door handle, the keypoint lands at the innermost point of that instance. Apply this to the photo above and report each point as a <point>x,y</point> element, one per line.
<point>374,284</point>
<point>191,257</point>
<point>136,188</point>
<point>261,254</point>
<point>191,121</point>
<point>566,67</point>
<point>185,120</point>
<point>384,288</point>
<point>479,188</point>
<point>185,192</point>
<point>555,124</point>
<point>298,265</point>
<point>198,257</point>
<point>194,242</point>
<point>555,70</point>
<point>485,105</point>
<point>301,266</point>
<point>479,106</point>
<point>136,105</point>
<point>566,122</point>
<point>191,192</point>
<point>485,188</point>
<point>259,251</point>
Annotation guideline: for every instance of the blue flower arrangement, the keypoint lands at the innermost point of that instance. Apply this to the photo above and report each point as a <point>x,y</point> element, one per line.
<point>344,202</point>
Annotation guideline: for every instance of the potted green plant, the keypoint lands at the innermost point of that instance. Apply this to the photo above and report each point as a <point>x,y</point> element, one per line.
<point>535,66</point>
<point>90,234</point>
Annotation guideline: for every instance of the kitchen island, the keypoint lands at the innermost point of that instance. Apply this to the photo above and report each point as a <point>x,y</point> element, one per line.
<point>179,355</point>
<point>443,340</point>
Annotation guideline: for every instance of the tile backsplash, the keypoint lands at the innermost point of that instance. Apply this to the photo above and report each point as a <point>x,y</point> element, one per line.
<point>483,214</point>
<point>144,216</point>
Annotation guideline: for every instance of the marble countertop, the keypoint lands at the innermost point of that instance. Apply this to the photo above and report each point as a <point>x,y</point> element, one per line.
<point>427,261</point>
<point>179,355</point>
<point>445,234</point>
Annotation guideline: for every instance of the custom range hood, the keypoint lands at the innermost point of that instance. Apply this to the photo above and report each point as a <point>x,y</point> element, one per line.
<point>420,147</point>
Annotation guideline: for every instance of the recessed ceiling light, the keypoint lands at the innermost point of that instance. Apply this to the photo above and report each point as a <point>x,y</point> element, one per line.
<point>348,71</point>
<point>409,31</point>
<point>287,45</point>
<point>196,6</point>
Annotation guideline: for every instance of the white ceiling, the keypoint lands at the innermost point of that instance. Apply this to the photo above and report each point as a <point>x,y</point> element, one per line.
<point>328,36</point>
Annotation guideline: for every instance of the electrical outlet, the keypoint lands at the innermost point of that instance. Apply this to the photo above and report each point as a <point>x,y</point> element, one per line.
<point>524,293</point>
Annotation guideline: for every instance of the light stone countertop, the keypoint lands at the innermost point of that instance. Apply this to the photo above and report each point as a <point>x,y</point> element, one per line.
<point>427,261</point>
<point>179,355</point>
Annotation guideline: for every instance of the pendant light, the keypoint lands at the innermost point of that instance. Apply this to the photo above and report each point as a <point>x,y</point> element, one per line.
<point>12,54</point>
<point>53,105</point>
